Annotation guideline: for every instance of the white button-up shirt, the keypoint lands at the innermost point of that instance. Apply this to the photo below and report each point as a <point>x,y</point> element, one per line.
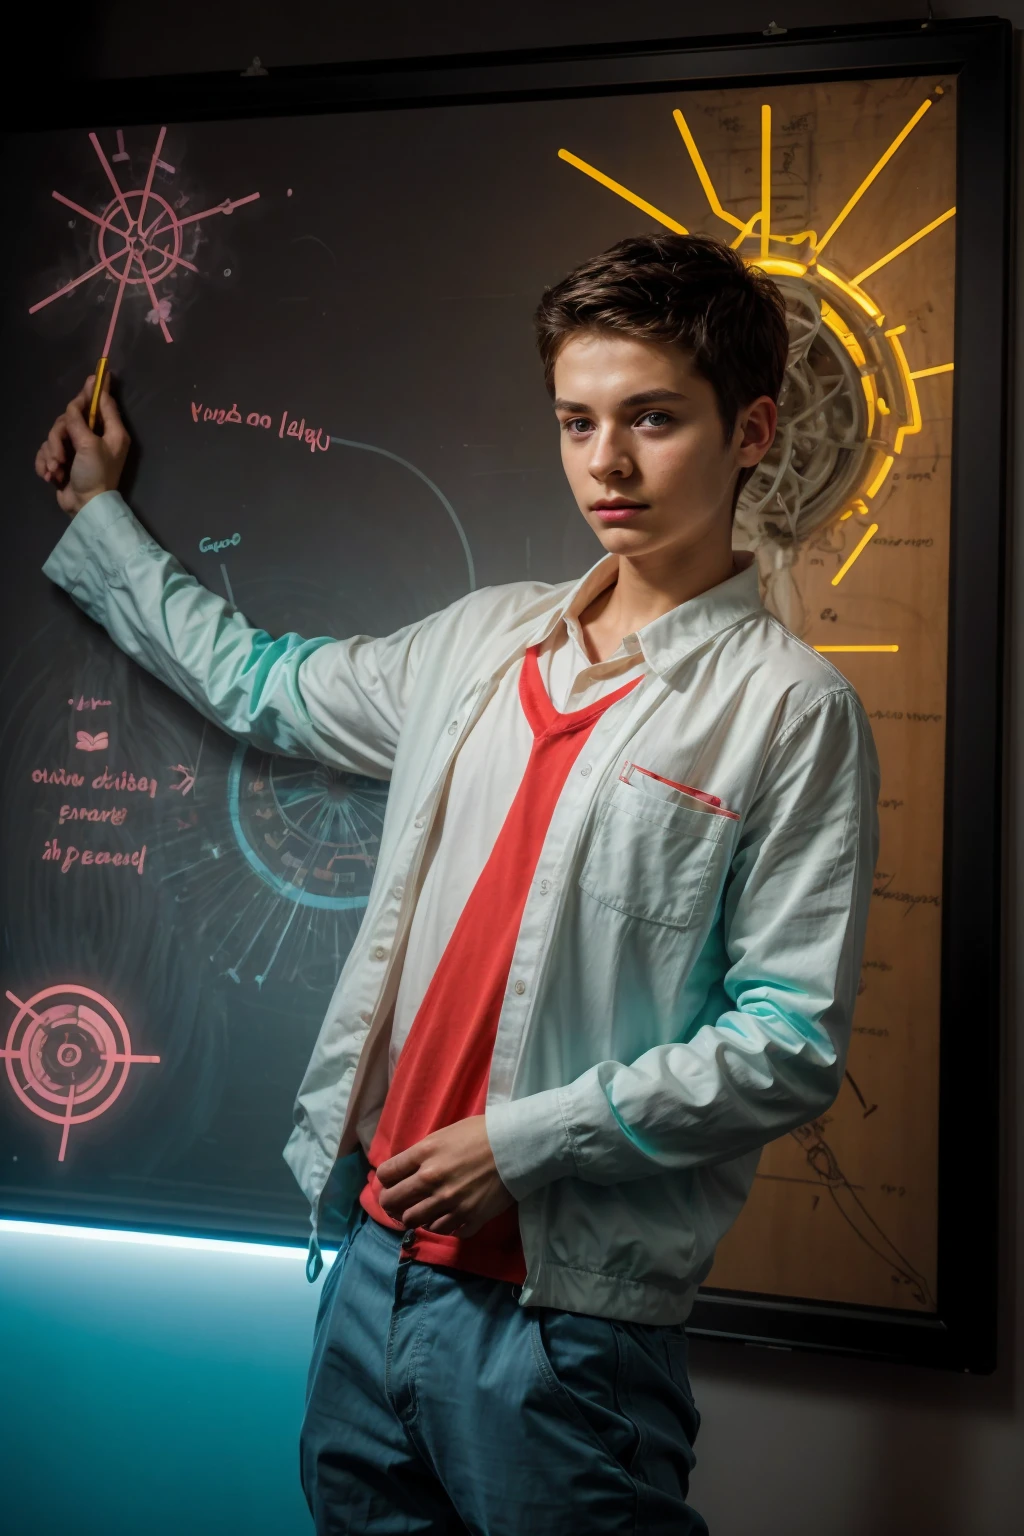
<point>482,784</point>
<point>683,982</point>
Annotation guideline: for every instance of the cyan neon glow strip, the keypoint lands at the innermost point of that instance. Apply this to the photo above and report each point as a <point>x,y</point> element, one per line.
<point>217,1245</point>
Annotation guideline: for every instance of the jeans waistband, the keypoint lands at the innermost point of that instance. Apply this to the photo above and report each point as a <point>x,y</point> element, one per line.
<point>390,1237</point>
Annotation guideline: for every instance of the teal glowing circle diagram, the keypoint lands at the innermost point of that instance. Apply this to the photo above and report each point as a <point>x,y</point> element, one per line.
<point>310,832</point>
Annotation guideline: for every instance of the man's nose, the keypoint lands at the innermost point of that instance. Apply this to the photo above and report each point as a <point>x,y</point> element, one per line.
<point>610,455</point>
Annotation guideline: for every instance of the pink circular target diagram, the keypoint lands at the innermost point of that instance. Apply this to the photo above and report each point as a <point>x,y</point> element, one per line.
<point>138,234</point>
<point>154,247</point>
<point>68,1054</point>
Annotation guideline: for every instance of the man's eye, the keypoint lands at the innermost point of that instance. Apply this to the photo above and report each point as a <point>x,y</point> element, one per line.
<point>656,418</point>
<point>577,424</point>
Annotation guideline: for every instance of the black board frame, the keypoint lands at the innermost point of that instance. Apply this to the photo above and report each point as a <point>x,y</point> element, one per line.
<point>962,1333</point>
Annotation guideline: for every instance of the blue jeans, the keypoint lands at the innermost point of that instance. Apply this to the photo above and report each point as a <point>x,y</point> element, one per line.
<point>436,1404</point>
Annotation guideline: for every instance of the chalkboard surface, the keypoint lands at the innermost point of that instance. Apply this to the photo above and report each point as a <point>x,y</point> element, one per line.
<point>346,429</point>
<point>341,424</point>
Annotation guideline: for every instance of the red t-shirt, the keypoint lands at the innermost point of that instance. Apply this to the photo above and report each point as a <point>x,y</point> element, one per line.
<point>442,1072</point>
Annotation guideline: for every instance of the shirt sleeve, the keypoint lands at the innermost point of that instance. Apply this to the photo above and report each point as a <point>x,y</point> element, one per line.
<point>794,913</point>
<point>340,701</point>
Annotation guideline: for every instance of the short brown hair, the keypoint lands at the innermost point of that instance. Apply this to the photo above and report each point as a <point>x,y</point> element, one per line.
<point>689,290</point>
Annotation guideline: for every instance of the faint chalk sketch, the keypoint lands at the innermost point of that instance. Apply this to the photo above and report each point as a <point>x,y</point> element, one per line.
<point>848,1203</point>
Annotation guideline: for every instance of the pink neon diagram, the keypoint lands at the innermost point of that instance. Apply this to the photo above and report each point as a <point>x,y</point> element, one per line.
<point>139,236</point>
<point>68,1053</point>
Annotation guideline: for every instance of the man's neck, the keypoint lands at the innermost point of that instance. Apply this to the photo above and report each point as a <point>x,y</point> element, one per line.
<point>644,591</point>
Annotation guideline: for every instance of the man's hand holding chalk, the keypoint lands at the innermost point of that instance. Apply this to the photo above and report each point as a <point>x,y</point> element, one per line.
<point>97,389</point>
<point>80,463</point>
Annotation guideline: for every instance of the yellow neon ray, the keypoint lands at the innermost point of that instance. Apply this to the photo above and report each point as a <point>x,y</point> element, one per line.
<point>836,323</point>
<point>876,484</point>
<point>914,424</point>
<point>865,541</point>
<point>926,373</point>
<point>799,238</point>
<point>891,648</point>
<point>766,178</point>
<point>905,246</point>
<point>624,192</point>
<point>878,166</point>
<point>859,298</point>
<point>783,266</point>
<point>746,230</point>
<point>702,173</point>
<point>838,326</point>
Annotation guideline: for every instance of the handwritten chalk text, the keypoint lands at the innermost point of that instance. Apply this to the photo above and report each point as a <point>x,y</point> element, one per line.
<point>68,857</point>
<point>213,546</point>
<point>84,703</point>
<point>906,543</point>
<point>907,899</point>
<point>115,814</point>
<point>914,715</point>
<point>220,417</point>
<point>307,435</point>
<point>57,776</point>
<point>143,785</point>
<point>312,437</point>
<point>126,781</point>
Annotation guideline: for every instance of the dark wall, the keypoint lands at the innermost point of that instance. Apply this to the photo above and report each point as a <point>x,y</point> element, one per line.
<point>120,37</point>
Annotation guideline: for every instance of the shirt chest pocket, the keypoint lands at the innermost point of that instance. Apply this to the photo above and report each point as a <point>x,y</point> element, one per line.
<point>656,859</point>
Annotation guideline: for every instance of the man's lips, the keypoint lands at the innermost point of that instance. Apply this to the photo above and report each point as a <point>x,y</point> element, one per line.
<point>618,511</point>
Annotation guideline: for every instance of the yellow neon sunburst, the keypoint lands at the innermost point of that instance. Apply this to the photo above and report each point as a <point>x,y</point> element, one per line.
<point>890,411</point>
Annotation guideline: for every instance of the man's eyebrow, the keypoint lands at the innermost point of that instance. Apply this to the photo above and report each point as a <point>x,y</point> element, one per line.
<point>645,397</point>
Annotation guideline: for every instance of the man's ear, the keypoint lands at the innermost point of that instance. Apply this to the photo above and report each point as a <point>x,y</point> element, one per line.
<point>758,421</point>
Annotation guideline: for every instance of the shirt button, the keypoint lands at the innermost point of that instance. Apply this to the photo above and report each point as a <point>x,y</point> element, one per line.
<point>585,769</point>
<point>453,728</point>
<point>519,988</point>
<point>545,886</point>
<point>380,952</point>
<point>419,823</point>
<point>408,1238</point>
<point>399,889</point>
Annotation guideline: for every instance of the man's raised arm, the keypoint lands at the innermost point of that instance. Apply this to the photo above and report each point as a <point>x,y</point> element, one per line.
<point>340,701</point>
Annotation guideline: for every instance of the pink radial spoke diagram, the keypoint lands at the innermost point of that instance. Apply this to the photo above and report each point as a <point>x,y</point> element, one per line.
<point>132,251</point>
<point>68,1054</point>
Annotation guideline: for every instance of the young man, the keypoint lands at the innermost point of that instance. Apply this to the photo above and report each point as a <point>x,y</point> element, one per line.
<point>614,937</point>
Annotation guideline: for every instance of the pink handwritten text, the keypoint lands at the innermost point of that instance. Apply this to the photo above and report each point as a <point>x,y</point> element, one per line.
<point>143,784</point>
<point>115,814</point>
<point>312,437</point>
<point>126,781</point>
<point>70,856</point>
<point>304,434</point>
<point>83,703</point>
<point>57,776</point>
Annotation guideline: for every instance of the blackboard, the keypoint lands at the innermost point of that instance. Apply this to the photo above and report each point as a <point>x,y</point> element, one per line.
<point>376,297</point>
<point>323,350</point>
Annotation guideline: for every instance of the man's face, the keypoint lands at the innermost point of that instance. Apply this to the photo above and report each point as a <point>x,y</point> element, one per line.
<point>644,448</point>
